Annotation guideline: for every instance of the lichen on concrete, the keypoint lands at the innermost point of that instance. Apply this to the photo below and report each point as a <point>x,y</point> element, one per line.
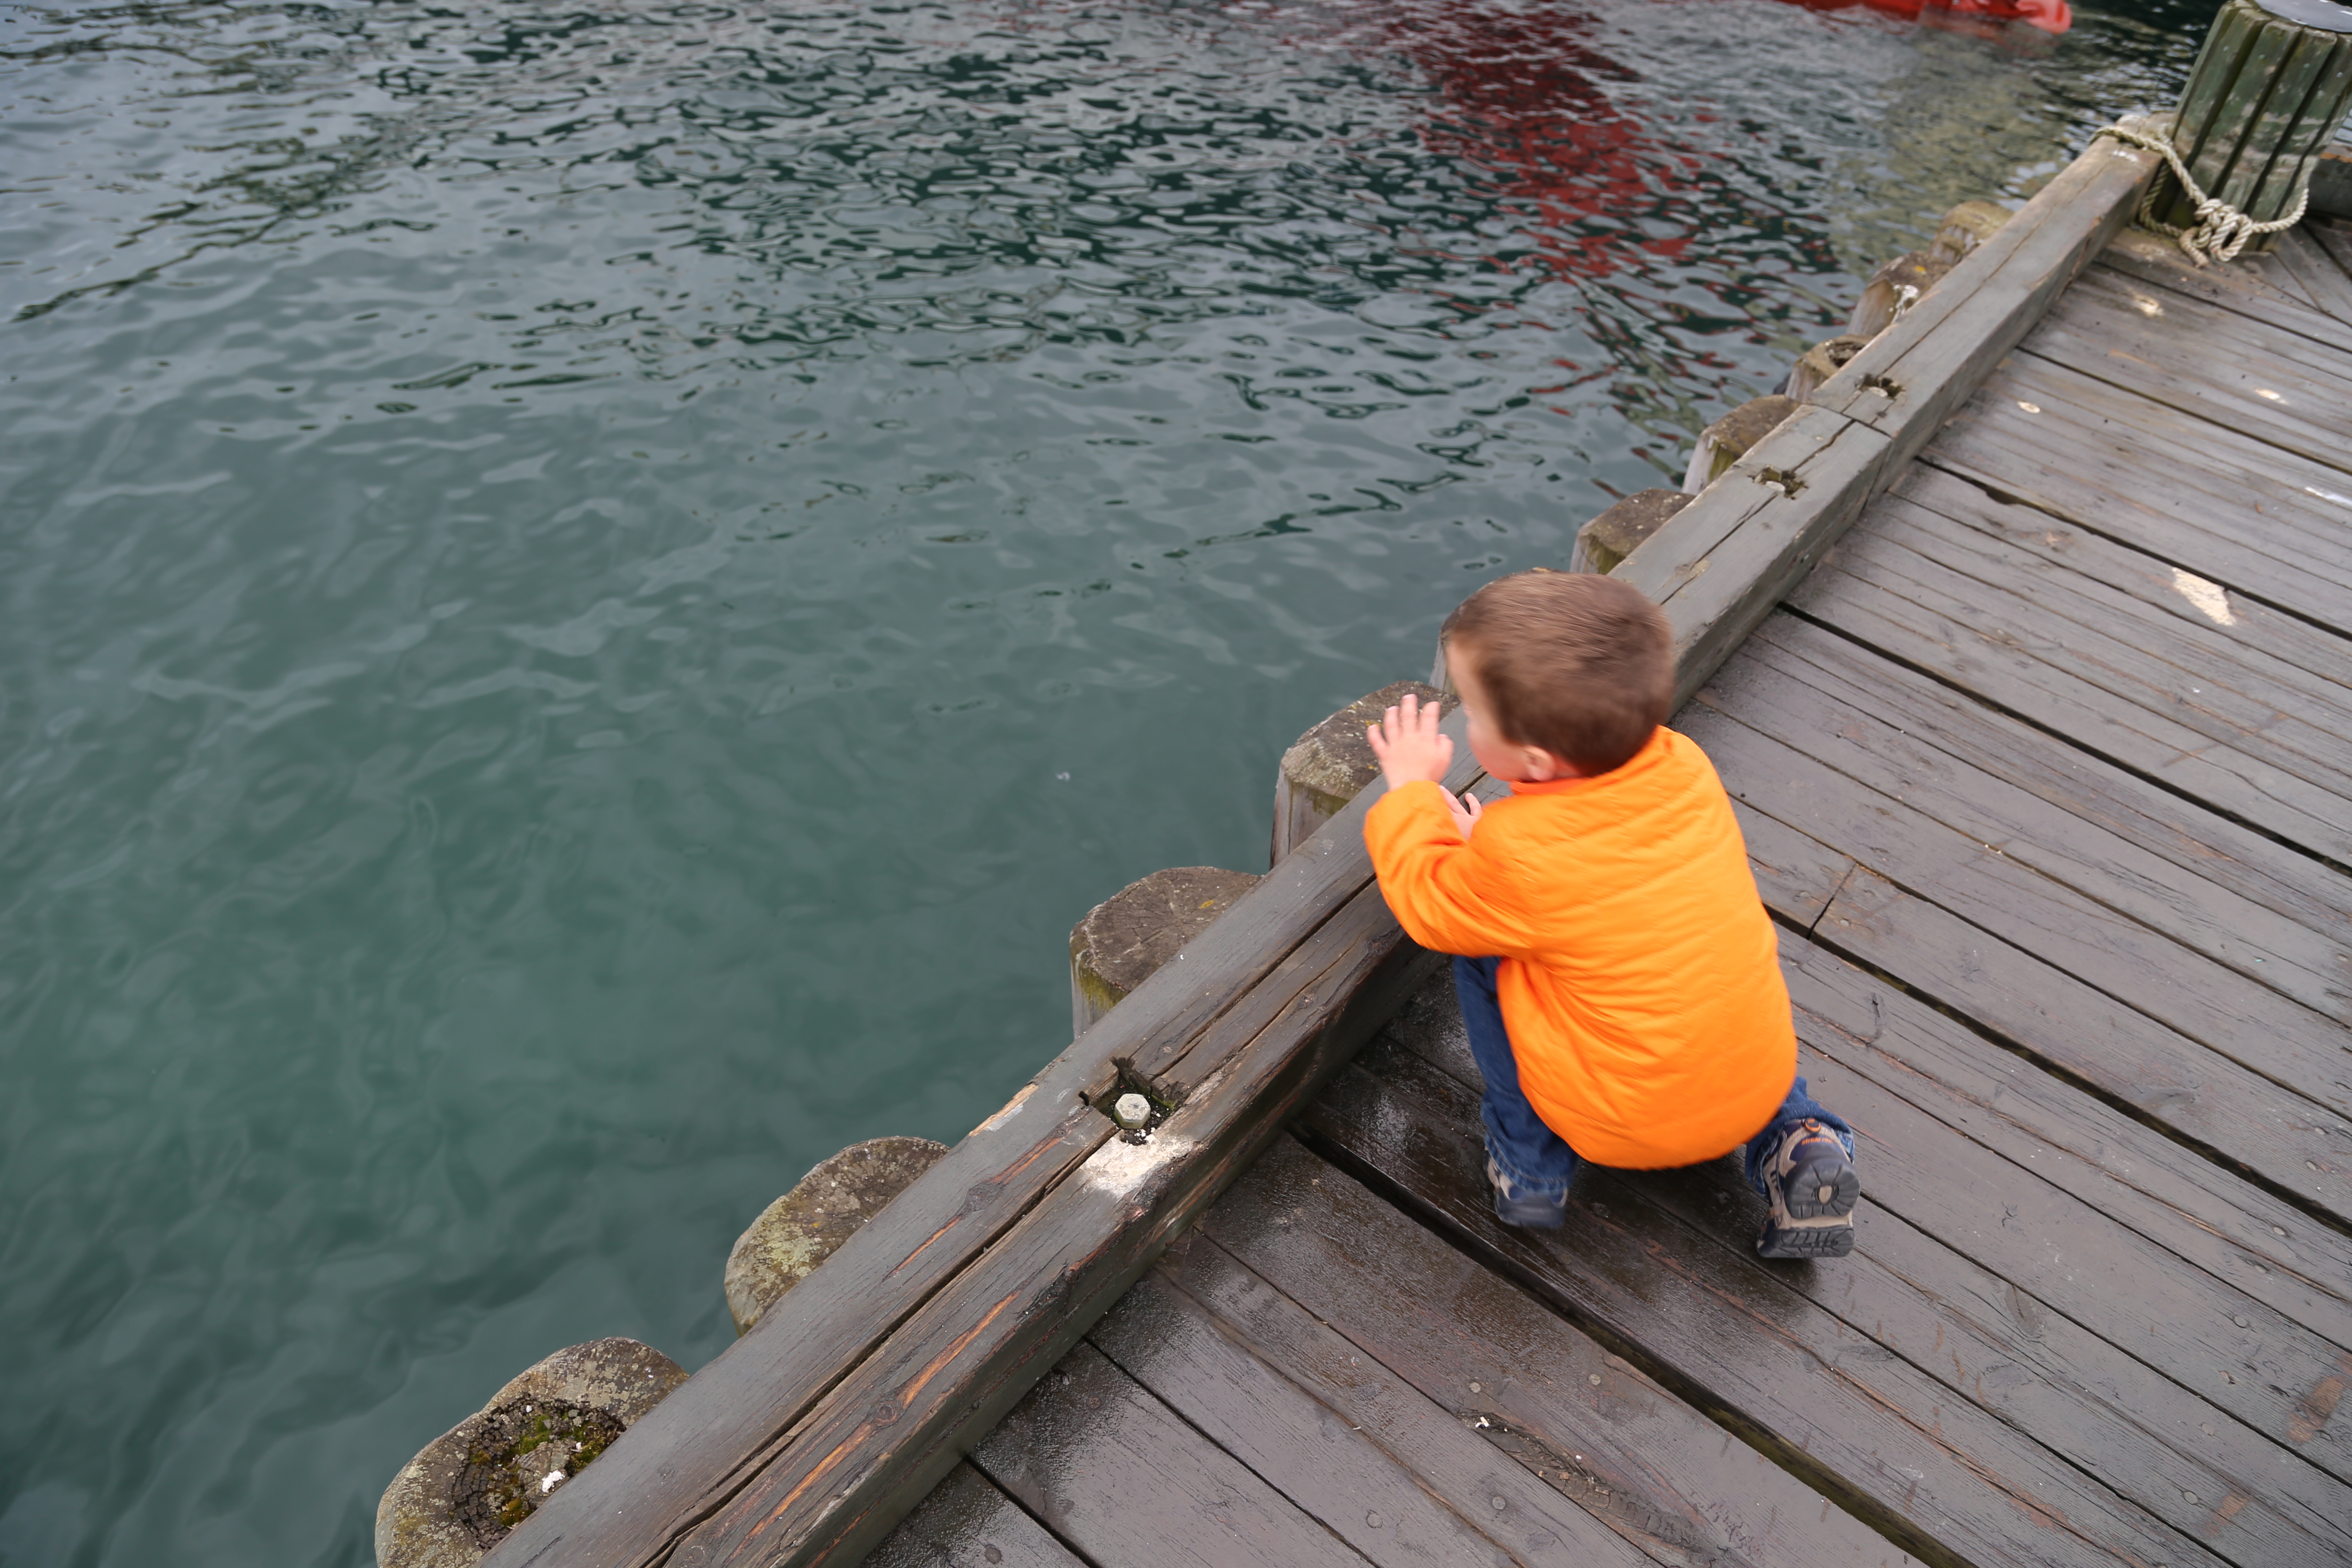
<point>468,1488</point>
<point>807,1224</point>
<point>1128,935</point>
<point>1333,760</point>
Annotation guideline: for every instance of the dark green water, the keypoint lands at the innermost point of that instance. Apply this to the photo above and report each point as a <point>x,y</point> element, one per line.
<point>586,596</point>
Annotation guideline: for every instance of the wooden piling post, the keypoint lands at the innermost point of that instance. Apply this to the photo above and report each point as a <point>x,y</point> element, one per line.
<point>808,1225</point>
<point>1610,537</point>
<point>1135,930</point>
<point>1330,765</point>
<point>468,1488</point>
<point>2269,89</point>
<point>1964,228</point>
<point>1729,439</point>
<point>1894,288</point>
<point>1823,361</point>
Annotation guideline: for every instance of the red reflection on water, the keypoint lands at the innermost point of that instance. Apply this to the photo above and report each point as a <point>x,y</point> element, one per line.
<point>1519,96</point>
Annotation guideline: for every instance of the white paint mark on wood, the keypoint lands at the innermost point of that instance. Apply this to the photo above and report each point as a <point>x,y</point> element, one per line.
<point>2266,392</point>
<point>1120,1167</point>
<point>999,1119</point>
<point>2147,307</point>
<point>2029,408</point>
<point>2209,598</point>
<point>2327,495</point>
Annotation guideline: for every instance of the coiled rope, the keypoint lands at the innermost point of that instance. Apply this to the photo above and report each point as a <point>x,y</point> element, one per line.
<point>2221,230</point>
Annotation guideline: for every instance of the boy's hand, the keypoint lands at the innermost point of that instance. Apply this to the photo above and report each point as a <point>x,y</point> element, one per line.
<point>1466,811</point>
<point>1409,745</point>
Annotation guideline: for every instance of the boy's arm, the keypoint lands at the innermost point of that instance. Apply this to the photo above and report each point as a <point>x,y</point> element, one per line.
<point>1448,897</point>
<point>1440,890</point>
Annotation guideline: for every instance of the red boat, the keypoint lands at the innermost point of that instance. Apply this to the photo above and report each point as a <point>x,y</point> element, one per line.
<point>2049,15</point>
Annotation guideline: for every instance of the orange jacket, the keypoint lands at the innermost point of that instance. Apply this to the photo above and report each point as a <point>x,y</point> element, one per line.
<point>1639,981</point>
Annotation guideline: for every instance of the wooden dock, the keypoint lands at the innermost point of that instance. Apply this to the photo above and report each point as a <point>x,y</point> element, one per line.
<point>2024,645</point>
<point>2047,771</point>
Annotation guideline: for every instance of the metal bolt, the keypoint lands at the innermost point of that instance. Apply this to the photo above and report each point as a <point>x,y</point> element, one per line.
<point>1131,1112</point>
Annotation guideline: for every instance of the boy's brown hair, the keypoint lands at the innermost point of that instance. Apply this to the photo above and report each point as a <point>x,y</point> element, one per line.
<point>1581,665</point>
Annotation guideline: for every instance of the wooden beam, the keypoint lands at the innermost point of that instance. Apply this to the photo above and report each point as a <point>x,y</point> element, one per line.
<point>1918,372</point>
<point>1721,562</point>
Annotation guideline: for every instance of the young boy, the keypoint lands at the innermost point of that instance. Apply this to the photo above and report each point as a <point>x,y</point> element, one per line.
<point>1622,991</point>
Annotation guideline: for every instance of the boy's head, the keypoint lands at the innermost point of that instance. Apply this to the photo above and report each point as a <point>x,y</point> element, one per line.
<point>1578,667</point>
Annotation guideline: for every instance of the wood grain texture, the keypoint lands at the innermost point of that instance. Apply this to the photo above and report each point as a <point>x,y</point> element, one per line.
<point>2077,449</point>
<point>1530,1407</point>
<point>1995,646</point>
<point>1721,562</point>
<point>1380,1466</point>
<point>2163,953</point>
<point>2303,256</point>
<point>1856,1421</point>
<point>2274,1133</point>
<point>2129,1172</point>
<point>2253,285</point>
<point>1124,1480</point>
<point>1911,378</point>
<point>2211,366</point>
<point>2204,879</point>
<point>2196,616</point>
<point>966,1522</point>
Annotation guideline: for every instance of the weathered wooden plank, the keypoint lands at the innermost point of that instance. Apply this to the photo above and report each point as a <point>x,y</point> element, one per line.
<point>1719,564</point>
<point>2263,714</point>
<point>2106,801</point>
<point>1913,374</point>
<point>2203,331</point>
<point>2244,286</point>
<point>2128,1171</point>
<point>1856,1421</point>
<point>2136,967</point>
<point>2195,623</point>
<point>2029,1304</point>
<point>2268,1132</point>
<point>966,1522</point>
<point>1125,1481</point>
<point>896,1420</point>
<point>2077,449</point>
<point>1906,608</point>
<point>2000,856</point>
<point>1377,1463</point>
<point>2132,1173</point>
<point>1500,1372</point>
<point>2209,379</point>
<point>2133,965</point>
<point>1999,1342</point>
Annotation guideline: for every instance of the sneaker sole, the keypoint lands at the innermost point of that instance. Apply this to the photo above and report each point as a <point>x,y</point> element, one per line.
<point>1818,1241</point>
<point>1528,1216</point>
<point>1801,1190</point>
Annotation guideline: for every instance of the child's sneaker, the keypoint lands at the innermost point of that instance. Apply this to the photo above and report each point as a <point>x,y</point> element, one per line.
<point>1532,1210</point>
<point>1812,1189</point>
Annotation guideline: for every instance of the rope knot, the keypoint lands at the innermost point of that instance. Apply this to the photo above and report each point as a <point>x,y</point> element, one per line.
<point>2221,230</point>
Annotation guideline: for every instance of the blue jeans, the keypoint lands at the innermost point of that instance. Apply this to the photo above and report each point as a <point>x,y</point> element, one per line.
<point>1524,1147</point>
